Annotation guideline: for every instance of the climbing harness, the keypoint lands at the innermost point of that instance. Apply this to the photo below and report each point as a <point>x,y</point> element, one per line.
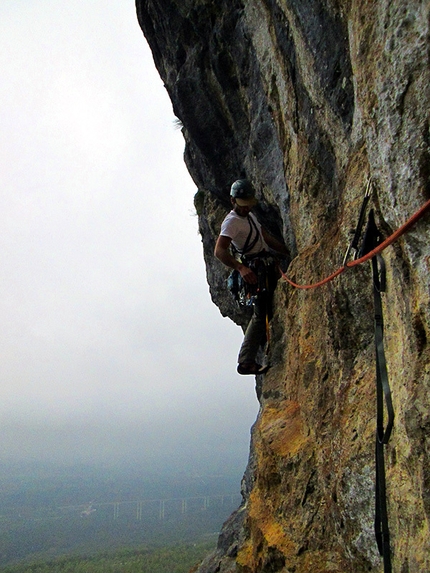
<point>244,293</point>
<point>249,243</point>
<point>235,283</point>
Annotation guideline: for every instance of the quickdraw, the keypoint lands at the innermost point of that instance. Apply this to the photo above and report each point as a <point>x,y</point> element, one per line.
<point>371,240</point>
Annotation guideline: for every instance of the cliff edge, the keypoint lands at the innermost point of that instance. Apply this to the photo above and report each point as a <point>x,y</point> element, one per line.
<point>308,99</point>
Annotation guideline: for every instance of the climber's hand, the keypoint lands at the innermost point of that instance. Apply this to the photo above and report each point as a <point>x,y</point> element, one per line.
<point>248,275</point>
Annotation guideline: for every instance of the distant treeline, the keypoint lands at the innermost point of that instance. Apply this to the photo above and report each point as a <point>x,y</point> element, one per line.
<point>171,559</point>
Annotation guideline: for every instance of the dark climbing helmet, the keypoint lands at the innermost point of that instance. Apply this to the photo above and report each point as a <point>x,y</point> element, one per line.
<point>243,193</point>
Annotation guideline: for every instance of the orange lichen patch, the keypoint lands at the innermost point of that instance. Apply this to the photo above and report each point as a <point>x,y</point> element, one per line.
<point>282,428</point>
<point>262,516</point>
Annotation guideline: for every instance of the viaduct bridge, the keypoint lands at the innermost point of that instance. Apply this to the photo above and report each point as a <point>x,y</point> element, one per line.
<point>161,508</point>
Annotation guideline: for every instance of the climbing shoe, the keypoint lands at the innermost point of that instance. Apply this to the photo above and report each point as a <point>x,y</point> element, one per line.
<point>252,368</point>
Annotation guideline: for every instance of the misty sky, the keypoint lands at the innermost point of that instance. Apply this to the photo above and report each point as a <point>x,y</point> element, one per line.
<point>110,346</point>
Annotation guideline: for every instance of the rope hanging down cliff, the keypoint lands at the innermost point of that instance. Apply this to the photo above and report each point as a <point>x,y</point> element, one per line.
<point>391,239</point>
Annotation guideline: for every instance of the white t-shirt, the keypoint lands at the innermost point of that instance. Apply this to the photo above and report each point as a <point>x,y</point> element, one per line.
<point>237,229</point>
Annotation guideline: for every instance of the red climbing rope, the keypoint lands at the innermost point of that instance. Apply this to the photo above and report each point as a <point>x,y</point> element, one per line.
<point>400,231</point>
<point>314,285</point>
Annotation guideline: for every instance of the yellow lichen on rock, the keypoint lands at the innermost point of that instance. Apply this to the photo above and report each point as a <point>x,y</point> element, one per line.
<point>267,534</point>
<point>282,428</point>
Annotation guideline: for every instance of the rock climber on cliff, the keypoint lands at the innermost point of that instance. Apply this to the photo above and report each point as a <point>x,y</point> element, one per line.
<point>243,245</point>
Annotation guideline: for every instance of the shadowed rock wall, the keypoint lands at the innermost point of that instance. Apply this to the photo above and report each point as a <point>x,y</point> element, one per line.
<point>307,98</point>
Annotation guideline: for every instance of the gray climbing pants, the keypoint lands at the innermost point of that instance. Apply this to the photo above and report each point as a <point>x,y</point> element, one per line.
<point>255,334</point>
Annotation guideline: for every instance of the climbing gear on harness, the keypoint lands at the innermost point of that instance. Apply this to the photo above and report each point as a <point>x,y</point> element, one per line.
<point>243,193</point>
<point>253,369</point>
<point>235,283</point>
<point>265,268</point>
<point>371,240</point>
<point>391,239</point>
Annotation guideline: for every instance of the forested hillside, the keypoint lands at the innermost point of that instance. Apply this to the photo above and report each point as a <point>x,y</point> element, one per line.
<point>175,559</point>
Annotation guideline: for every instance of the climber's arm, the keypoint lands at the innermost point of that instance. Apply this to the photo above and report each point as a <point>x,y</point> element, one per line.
<point>222,253</point>
<point>273,243</point>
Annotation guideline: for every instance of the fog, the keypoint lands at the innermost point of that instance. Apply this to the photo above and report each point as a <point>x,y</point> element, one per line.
<point>112,351</point>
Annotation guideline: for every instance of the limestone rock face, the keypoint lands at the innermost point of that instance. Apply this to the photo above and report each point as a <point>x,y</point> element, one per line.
<point>308,98</point>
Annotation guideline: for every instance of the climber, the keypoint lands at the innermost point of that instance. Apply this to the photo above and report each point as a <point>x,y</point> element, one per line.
<point>243,245</point>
